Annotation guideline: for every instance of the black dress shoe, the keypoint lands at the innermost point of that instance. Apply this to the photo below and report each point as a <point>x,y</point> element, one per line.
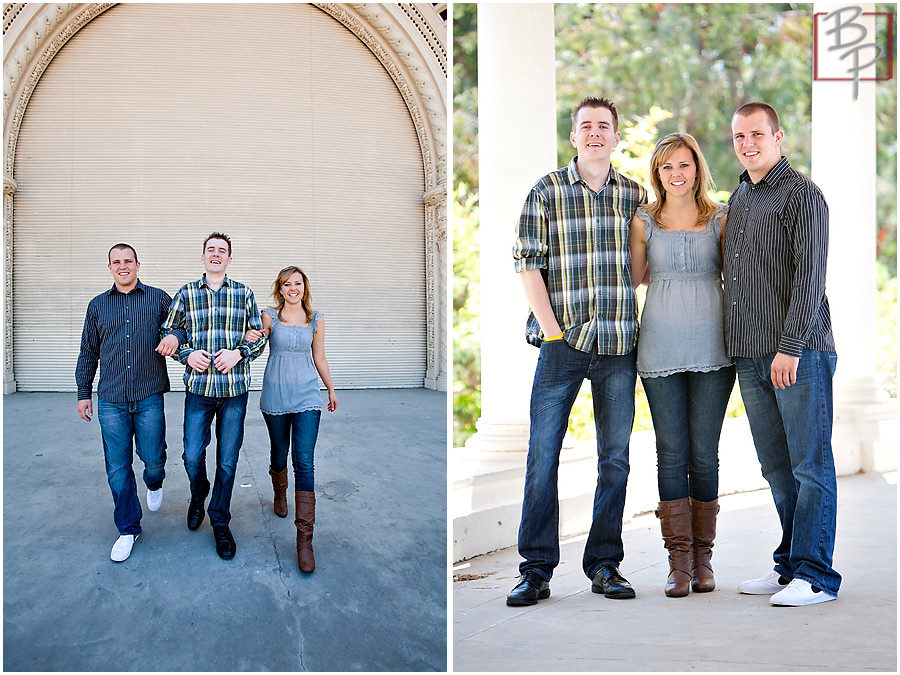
<point>611,583</point>
<point>195,514</point>
<point>225,545</point>
<point>529,590</point>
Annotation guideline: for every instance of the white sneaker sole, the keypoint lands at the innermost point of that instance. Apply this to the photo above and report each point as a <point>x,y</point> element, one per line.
<point>750,590</point>
<point>801,601</point>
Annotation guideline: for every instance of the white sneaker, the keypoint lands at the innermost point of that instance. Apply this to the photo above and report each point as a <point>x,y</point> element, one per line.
<point>799,593</point>
<point>154,499</point>
<point>122,548</point>
<point>765,585</point>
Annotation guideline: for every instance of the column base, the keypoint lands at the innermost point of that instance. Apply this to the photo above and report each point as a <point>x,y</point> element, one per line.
<point>865,437</point>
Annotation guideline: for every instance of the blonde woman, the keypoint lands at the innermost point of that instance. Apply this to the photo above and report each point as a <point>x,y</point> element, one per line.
<point>290,401</point>
<point>686,373</point>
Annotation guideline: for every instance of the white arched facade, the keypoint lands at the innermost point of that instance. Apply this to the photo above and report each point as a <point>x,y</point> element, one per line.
<point>403,48</point>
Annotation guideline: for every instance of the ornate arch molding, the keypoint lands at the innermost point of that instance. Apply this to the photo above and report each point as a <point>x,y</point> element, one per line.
<point>407,39</point>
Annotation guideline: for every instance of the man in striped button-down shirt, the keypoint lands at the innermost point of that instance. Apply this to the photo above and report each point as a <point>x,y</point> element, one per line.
<point>215,312</point>
<point>778,329</point>
<point>121,332</point>
<point>573,257</point>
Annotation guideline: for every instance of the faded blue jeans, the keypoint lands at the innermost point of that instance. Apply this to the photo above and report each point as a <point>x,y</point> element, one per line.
<point>297,431</point>
<point>687,411</point>
<point>144,422</point>
<point>791,429</point>
<point>560,371</point>
<point>229,413</point>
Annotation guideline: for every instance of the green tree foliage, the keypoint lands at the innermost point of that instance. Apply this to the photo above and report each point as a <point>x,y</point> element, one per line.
<point>466,317</point>
<point>698,61</point>
<point>886,140</point>
<point>465,95</point>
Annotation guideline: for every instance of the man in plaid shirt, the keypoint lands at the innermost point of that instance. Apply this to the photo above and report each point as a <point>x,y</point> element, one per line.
<point>573,257</point>
<point>215,312</point>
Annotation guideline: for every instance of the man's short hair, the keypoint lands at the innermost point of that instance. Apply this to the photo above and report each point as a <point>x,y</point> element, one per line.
<point>592,102</point>
<point>755,106</point>
<point>120,245</point>
<point>218,235</point>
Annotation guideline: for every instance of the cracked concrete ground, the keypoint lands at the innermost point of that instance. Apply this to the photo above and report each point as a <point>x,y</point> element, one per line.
<point>377,600</point>
<point>721,631</point>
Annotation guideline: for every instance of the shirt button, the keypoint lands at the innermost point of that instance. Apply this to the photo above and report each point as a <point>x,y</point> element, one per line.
<point>734,279</point>
<point>734,303</point>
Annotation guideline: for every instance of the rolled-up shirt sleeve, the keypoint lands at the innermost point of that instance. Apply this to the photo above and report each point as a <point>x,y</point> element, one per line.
<point>530,248</point>
<point>809,250</point>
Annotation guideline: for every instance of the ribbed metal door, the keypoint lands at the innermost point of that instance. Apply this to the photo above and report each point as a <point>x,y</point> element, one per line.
<point>158,124</point>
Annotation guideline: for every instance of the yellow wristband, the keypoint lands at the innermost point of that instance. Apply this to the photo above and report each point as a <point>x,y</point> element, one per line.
<point>553,338</point>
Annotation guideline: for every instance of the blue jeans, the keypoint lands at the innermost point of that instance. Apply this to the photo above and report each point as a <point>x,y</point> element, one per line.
<point>791,429</point>
<point>229,413</point>
<point>297,431</point>
<point>143,421</point>
<point>560,371</point>
<point>687,411</point>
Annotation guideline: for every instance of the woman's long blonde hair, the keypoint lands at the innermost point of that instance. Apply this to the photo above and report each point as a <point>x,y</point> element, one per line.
<point>280,280</point>
<point>703,183</point>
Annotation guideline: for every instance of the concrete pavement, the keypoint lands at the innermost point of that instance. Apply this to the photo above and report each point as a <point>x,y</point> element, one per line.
<point>377,600</point>
<point>577,630</point>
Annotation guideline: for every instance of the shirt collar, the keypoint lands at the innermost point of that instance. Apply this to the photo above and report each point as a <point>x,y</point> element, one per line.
<point>137,287</point>
<point>225,281</point>
<point>575,177</point>
<point>775,174</point>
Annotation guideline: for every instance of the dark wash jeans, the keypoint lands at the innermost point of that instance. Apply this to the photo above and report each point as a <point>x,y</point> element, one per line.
<point>791,429</point>
<point>560,371</point>
<point>144,422</point>
<point>297,431</point>
<point>229,413</point>
<point>688,410</point>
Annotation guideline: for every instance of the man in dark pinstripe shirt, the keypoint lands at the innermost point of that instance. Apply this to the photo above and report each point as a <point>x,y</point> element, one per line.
<point>778,329</point>
<point>121,332</point>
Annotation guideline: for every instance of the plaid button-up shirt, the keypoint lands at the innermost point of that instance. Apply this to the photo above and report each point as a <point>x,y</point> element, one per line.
<point>578,238</point>
<point>216,320</point>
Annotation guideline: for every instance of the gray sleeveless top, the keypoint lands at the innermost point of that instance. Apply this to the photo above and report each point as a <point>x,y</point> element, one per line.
<point>681,326</point>
<point>291,382</point>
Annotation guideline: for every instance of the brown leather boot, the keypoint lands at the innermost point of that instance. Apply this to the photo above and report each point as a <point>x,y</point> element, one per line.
<point>305,505</point>
<point>279,486</point>
<point>675,522</point>
<point>703,524</point>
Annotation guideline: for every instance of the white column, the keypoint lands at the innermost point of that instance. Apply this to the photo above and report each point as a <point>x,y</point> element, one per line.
<point>843,166</point>
<point>517,145</point>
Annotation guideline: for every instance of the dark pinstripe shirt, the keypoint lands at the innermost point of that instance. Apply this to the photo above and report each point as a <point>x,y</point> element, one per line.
<point>776,245</point>
<point>578,238</point>
<point>121,331</point>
